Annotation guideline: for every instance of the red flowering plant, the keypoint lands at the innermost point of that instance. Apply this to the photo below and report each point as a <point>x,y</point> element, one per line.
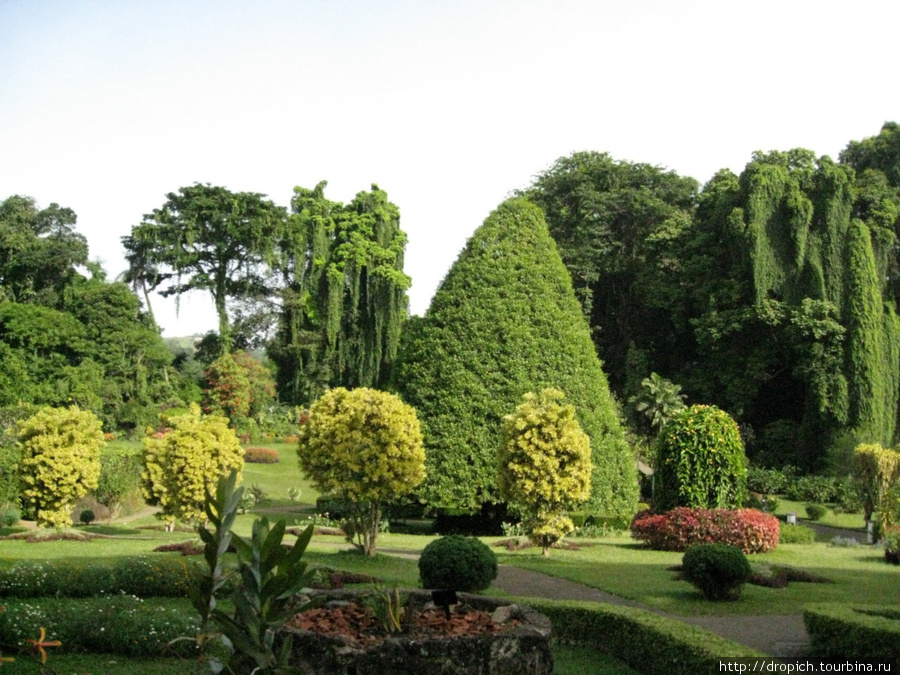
<point>750,530</point>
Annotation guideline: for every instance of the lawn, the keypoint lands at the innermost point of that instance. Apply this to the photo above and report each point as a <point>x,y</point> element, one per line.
<point>615,564</point>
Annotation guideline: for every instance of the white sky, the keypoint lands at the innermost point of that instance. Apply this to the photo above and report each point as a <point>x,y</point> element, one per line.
<point>106,106</point>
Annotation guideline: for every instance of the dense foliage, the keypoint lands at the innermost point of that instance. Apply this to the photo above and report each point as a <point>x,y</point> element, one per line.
<point>70,339</point>
<point>60,462</point>
<point>717,570</point>
<point>457,563</point>
<point>184,463</point>
<point>700,461</point>
<point>876,469</point>
<point>769,293</point>
<point>364,447</point>
<point>505,321</point>
<point>750,530</point>
<point>544,465</point>
<point>343,294</point>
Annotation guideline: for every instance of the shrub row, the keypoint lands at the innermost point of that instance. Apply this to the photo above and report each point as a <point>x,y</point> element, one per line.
<point>750,530</point>
<point>647,642</point>
<point>817,489</point>
<point>162,576</point>
<point>121,624</point>
<point>861,633</point>
<point>261,456</point>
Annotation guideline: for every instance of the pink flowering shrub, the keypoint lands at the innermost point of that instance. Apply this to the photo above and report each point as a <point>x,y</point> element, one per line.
<point>750,530</point>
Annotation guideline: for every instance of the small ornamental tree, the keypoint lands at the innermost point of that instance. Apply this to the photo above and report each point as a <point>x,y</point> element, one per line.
<point>363,447</point>
<point>60,461</point>
<point>544,465</point>
<point>700,461</point>
<point>875,469</point>
<point>187,462</point>
<point>237,386</point>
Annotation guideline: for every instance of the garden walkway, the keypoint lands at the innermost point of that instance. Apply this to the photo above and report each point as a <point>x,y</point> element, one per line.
<point>776,635</point>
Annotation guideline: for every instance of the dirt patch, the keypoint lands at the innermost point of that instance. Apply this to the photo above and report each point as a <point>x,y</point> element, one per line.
<point>521,543</point>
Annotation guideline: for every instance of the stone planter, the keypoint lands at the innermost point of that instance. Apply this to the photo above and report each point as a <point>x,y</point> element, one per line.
<point>522,649</point>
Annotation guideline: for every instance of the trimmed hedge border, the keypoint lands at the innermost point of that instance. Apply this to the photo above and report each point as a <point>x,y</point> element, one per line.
<point>856,632</point>
<point>647,642</point>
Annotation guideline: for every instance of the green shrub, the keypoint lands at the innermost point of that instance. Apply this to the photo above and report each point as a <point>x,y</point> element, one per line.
<point>815,511</point>
<point>795,534</point>
<point>700,461</point>
<point>505,321</point>
<point>544,465</point>
<point>649,643</point>
<point>120,474</point>
<point>143,576</point>
<point>363,446</point>
<point>716,570</point>
<point>9,516</point>
<point>457,563</point>
<point>815,489</point>
<point>60,462</point>
<point>122,624</point>
<point>86,517</point>
<point>180,466</point>
<point>861,633</point>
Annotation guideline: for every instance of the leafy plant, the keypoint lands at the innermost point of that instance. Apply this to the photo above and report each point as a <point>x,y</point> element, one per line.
<point>457,563</point>
<point>815,511</point>
<point>875,469</point>
<point>389,607</point>
<point>270,576</point>
<point>700,461</point>
<point>658,401</point>
<point>678,529</point>
<point>86,517</point>
<point>60,461</point>
<point>717,570</point>
<point>364,447</point>
<point>795,534</point>
<point>294,494</point>
<point>544,465</point>
<point>182,465</point>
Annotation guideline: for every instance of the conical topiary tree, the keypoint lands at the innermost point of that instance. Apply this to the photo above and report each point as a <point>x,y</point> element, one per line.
<point>504,322</point>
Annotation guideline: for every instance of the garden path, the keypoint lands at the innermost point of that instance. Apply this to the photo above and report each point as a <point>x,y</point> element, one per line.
<point>776,635</point>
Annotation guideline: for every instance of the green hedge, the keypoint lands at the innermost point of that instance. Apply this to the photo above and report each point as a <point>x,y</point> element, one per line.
<point>649,643</point>
<point>862,632</point>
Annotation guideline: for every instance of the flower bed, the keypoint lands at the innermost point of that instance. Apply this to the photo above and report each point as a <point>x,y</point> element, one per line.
<point>750,530</point>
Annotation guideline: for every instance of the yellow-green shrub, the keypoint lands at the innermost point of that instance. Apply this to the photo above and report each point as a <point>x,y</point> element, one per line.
<point>60,461</point>
<point>875,468</point>
<point>363,447</point>
<point>544,465</point>
<point>187,461</point>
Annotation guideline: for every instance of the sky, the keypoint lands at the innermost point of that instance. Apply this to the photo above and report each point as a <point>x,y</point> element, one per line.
<point>106,106</point>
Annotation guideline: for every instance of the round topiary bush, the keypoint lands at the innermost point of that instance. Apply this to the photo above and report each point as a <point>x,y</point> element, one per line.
<point>815,511</point>
<point>457,563</point>
<point>716,570</point>
<point>9,516</point>
<point>700,461</point>
<point>87,517</point>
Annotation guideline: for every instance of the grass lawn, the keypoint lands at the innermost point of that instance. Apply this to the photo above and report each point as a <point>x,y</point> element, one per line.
<point>625,568</point>
<point>846,521</point>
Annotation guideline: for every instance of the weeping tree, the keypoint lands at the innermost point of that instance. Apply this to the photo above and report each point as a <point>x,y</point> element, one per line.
<point>344,294</point>
<point>801,333</point>
<point>506,321</point>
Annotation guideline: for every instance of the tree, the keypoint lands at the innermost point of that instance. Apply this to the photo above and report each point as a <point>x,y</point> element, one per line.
<point>364,447</point>
<point>505,321</point>
<point>182,465</point>
<point>544,465</point>
<point>60,462</point>
<point>39,251</point>
<point>344,294</point>
<point>700,462</point>
<point>207,238</point>
<point>238,386</point>
<point>617,224</point>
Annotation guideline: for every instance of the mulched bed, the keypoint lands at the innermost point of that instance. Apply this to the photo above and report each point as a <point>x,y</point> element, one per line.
<point>357,624</point>
<point>521,543</point>
<point>40,537</point>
